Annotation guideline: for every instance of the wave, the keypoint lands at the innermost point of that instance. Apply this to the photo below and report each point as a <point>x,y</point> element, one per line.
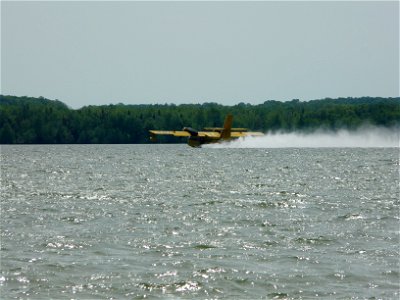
<point>365,137</point>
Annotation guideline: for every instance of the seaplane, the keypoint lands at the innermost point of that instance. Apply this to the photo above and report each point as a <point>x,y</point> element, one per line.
<point>209,135</point>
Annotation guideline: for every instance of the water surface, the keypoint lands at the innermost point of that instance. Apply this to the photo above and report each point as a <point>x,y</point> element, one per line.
<point>170,221</point>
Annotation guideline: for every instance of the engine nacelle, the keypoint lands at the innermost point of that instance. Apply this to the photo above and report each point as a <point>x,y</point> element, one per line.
<point>193,132</point>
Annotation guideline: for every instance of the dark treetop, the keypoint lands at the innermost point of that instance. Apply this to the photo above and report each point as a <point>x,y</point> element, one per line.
<point>27,120</point>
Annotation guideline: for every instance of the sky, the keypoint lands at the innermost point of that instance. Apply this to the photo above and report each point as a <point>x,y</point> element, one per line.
<point>97,52</point>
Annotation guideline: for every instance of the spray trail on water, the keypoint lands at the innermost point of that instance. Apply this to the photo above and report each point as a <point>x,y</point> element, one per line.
<point>364,137</point>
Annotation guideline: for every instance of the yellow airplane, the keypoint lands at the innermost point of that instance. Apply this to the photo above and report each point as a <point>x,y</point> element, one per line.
<point>209,135</point>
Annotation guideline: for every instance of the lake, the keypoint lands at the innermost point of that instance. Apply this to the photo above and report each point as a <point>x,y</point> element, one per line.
<point>173,222</point>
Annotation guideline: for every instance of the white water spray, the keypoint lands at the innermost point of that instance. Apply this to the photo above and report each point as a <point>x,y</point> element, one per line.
<point>366,137</point>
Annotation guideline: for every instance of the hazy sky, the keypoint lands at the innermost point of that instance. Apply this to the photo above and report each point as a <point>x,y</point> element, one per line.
<point>193,52</point>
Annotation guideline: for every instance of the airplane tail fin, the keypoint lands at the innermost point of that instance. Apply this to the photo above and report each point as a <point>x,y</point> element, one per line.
<point>226,132</point>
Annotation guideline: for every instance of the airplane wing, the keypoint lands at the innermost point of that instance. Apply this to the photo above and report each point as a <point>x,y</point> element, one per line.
<point>206,134</point>
<point>170,132</point>
<point>248,133</point>
<point>211,134</point>
<point>182,133</point>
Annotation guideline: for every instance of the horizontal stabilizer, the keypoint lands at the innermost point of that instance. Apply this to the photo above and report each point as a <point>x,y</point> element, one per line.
<point>219,129</point>
<point>248,133</point>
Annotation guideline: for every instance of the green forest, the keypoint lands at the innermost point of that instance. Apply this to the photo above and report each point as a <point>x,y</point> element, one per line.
<point>28,120</point>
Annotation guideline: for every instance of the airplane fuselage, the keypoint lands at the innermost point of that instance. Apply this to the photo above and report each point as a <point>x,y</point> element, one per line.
<point>197,141</point>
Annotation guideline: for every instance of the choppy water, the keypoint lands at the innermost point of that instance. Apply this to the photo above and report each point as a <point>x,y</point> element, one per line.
<point>169,221</point>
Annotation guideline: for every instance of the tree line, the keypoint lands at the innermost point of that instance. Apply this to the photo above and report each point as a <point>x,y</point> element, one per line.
<point>28,120</point>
